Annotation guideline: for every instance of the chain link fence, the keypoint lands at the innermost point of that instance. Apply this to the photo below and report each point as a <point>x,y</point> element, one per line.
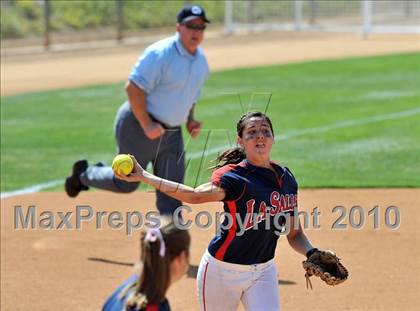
<point>46,22</point>
<point>49,22</point>
<point>364,16</point>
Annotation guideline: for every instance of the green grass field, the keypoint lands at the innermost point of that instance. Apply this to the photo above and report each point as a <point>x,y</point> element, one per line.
<point>341,123</point>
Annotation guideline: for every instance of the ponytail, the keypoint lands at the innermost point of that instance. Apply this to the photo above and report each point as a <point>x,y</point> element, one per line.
<point>230,156</point>
<point>158,248</point>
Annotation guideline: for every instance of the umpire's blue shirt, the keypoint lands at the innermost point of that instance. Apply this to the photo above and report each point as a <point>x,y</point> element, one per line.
<point>171,78</point>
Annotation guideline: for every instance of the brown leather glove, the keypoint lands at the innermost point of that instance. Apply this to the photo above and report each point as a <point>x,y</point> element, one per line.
<point>326,265</point>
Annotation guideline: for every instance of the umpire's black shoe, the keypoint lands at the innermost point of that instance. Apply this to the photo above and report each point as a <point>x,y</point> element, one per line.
<point>73,185</point>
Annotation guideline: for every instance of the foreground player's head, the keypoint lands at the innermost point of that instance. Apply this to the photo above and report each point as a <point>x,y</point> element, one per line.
<point>165,258</point>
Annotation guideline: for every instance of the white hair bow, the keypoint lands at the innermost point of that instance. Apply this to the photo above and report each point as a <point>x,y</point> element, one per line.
<point>152,235</point>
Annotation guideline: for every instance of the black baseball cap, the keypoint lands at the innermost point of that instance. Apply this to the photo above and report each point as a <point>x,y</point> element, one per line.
<point>190,12</point>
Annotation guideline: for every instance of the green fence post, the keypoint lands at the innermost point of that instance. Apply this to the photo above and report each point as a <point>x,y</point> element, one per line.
<point>120,21</point>
<point>47,11</point>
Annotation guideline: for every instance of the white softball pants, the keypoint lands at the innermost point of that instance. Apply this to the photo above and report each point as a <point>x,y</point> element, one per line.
<point>221,285</point>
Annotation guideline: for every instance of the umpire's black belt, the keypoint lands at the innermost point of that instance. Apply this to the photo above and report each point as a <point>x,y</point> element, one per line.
<point>165,126</point>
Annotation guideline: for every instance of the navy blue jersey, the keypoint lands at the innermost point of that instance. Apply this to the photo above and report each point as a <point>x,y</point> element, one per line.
<point>117,303</point>
<point>261,194</point>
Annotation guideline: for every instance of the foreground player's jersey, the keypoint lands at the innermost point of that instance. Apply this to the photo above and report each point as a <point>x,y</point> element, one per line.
<point>257,200</point>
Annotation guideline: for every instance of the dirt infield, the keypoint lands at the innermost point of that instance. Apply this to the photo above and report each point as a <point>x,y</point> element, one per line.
<point>77,269</point>
<point>78,68</point>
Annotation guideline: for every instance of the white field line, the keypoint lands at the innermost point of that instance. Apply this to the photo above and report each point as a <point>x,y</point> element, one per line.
<point>198,154</point>
<point>32,189</point>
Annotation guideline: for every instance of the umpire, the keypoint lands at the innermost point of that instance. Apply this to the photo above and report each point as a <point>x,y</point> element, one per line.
<point>162,90</point>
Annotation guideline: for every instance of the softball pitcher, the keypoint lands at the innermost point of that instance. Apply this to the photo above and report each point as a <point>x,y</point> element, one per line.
<point>238,265</point>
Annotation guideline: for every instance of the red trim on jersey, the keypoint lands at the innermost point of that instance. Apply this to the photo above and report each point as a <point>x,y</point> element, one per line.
<point>204,286</point>
<point>279,178</point>
<point>232,231</point>
<point>153,307</point>
<point>217,174</point>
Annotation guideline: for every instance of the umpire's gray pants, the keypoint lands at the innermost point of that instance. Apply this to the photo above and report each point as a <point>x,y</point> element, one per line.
<point>165,153</point>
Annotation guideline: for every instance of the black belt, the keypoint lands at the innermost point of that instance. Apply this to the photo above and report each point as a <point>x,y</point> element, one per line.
<point>165,126</point>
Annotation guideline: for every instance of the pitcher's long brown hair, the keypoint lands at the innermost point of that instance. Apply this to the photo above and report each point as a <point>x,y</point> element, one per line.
<point>154,279</point>
<point>236,155</point>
